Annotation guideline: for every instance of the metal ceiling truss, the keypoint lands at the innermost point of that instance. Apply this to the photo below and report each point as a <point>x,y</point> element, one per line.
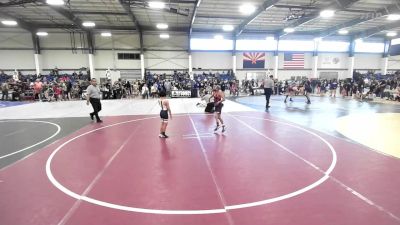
<point>127,8</point>
<point>106,13</point>
<point>375,30</point>
<point>77,22</point>
<point>18,3</point>
<point>265,6</point>
<point>344,4</point>
<point>69,15</point>
<point>31,27</point>
<point>392,9</point>
<point>132,16</point>
<point>172,6</point>
<point>337,5</point>
<point>195,9</point>
<point>202,16</point>
<point>317,8</point>
<point>168,1</point>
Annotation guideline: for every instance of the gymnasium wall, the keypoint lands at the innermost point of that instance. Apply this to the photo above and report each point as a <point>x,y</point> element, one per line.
<point>15,40</point>
<point>63,59</point>
<point>212,60</point>
<point>394,63</point>
<point>166,60</point>
<point>17,59</point>
<point>69,51</point>
<point>104,59</point>
<point>368,61</point>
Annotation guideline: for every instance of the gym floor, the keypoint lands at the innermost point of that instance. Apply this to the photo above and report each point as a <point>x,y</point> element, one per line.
<point>332,162</point>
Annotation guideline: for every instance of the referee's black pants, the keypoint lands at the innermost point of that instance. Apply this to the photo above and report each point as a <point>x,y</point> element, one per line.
<point>268,92</point>
<point>96,104</point>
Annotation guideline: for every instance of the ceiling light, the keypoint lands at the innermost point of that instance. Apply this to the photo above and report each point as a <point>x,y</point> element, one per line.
<point>157,5</point>
<point>227,28</point>
<point>42,33</point>
<point>106,34</point>
<point>88,24</point>
<point>9,22</point>
<point>327,13</point>
<point>270,38</point>
<point>219,37</point>
<point>164,36</point>
<point>247,9</point>
<point>343,32</point>
<point>162,26</point>
<point>360,40</point>
<point>393,17</point>
<point>289,30</point>
<point>391,34</point>
<point>55,2</point>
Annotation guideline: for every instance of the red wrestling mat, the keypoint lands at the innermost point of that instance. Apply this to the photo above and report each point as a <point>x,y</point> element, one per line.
<point>261,171</point>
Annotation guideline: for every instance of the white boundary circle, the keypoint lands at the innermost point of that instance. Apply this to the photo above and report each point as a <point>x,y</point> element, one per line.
<point>29,147</point>
<point>187,212</point>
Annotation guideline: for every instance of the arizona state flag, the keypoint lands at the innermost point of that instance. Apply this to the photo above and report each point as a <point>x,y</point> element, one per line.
<point>253,60</point>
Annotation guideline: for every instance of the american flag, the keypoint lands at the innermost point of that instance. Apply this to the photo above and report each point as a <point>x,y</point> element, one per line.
<point>293,61</point>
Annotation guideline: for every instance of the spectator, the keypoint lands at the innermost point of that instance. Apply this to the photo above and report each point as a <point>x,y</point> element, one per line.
<point>145,92</point>
<point>4,91</point>
<point>38,86</point>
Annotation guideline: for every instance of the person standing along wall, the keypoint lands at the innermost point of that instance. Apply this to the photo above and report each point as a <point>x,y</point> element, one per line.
<point>4,90</point>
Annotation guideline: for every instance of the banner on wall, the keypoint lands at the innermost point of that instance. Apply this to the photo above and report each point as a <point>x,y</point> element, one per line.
<point>293,61</point>
<point>253,60</point>
<point>330,62</point>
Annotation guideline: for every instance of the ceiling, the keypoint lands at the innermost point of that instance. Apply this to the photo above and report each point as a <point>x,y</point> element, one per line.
<point>362,18</point>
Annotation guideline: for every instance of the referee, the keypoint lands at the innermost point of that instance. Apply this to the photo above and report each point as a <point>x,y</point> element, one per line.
<point>93,96</point>
<point>268,89</point>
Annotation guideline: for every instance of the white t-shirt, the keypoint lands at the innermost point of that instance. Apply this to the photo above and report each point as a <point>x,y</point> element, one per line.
<point>93,92</point>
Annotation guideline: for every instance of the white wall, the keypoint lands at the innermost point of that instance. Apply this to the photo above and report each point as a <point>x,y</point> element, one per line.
<point>334,62</point>
<point>117,41</point>
<point>15,40</point>
<point>17,59</point>
<point>105,59</point>
<point>175,42</point>
<point>166,60</point>
<point>60,40</point>
<point>212,60</point>
<point>64,59</point>
<point>367,61</point>
<point>327,61</point>
<point>394,63</point>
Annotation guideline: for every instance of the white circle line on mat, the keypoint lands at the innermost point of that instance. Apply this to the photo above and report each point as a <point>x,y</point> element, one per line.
<point>184,212</point>
<point>40,142</point>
